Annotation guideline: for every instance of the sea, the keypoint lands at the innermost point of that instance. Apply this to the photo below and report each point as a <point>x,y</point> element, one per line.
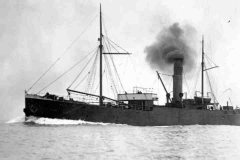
<point>52,139</point>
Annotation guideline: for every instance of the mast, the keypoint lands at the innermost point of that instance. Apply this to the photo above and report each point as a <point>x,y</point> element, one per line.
<point>100,47</point>
<point>101,97</point>
<point>202,69</point>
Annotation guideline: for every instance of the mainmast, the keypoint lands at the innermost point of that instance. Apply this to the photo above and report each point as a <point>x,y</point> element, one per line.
<point>202,69</point>
<point>100,47</point>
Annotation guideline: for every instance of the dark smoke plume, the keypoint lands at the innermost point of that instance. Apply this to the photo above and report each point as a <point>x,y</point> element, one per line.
<point>173,42</point>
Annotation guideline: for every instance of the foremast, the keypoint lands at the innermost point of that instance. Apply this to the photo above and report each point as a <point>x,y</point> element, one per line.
<point>202,69</point>
<point>101,97</point>
<point>100,48</point>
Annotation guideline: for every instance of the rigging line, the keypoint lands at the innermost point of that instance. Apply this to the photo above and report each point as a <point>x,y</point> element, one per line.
<point>110,73</point>
<point>226,91</point>
<point>116,70</point>
<point>67,70</point>
<point>112,89</point>
<point>211,86</point>
<point>209,59</point>
<point>99,83</point>
<point>107,45</point>
<point>165,74</point>
<point>135,71</point>
<point>81,80</point>
<point>113,46</point>
<point>197,75</point>
<point>170,84</point>
<point>109,69</point>
<point>113,61</point>
<point>196,70</point>
<point>82,69</point>
<point>92,72</point>
<point>209,62</point>
<point>116,44</point>
<point>93,79</point>
<point>105,29</point>
<point>125,68</point>
<point>230,101</point>
<point>62,54</point>
<point>186,82</point>
<point>154,82</point>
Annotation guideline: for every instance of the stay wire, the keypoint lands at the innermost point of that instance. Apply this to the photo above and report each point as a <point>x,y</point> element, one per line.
<point>67,71</point>
<point>110,74</point>
<point>211,87</point>
<point>186,83</point>
<point>116,69</point>
<point>116,44</point>
<point>82,80</point>
<point>82,69</point>
<point>170,84</point>
<point>99,83</point>
<point>197,77</point>
<point>90,77</point>
<point>105,29</point>
<point>108,48</point>
<point>62,54</point>
<point>210,59</point>
<point>209,62</point>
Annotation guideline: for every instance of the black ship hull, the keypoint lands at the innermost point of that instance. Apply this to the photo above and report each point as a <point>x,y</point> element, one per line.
<point>153,116</point>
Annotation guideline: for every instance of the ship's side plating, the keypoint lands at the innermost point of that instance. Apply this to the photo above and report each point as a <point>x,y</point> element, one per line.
<point>156,116</point>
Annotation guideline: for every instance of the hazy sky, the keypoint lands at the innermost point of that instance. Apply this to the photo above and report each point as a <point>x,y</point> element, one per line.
<point>34,33</point>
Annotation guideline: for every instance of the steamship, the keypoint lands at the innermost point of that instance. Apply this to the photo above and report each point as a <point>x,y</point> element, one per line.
<point>136,108</point>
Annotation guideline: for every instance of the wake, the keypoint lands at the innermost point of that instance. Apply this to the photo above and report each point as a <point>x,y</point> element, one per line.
<point>49,121</point>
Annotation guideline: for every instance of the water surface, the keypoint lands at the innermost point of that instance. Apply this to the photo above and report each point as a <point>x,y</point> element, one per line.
<point>43,138</point>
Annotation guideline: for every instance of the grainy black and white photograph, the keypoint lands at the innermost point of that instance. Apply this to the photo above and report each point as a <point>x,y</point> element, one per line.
<point>119,79</point>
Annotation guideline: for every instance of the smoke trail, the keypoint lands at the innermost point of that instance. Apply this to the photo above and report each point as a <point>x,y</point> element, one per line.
<point>172,42</point>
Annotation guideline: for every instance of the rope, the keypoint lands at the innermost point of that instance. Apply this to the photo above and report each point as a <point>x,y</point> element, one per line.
<point>108,80</point>
<point>116,44</point>
<point>109,50</point>
<point>226,91</point>
<point>65,72</point>
<point>62,53</point>
<point>154,81</point>
<point>197,75</point>
<point>211,86</point>
<point>91,76</point>
<point>170,83</point>
<point>81,81</point>
<point>99,82</point>
<point>116,68</point>
<point>186,82</point>
<point>110,74</point>
<point>82,70</point>
<point>111,58</point>
<point>196,71</point>
<point>210,59</point>
<point>125,68</point>
<point>117,73</point>
<point>105,29</point>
